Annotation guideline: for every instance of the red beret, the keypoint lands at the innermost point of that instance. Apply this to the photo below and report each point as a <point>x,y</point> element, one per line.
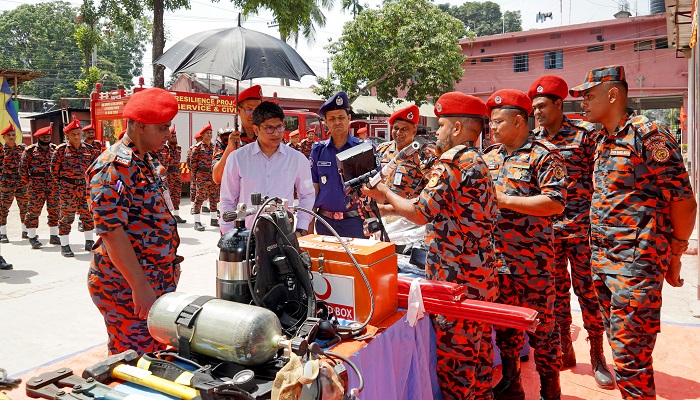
<point>549,85</point>
<point>121,135</point>
<point>457,104</point>
<point>510,98</point>
<point>75,124</point>
<point>253,92</point>
<point>172,129</point>
<point>151,106</point>
<point>88,128</point>
<point>294,133</point>
<point>47,130</point>
<point>362,130</point>
<point>10,128</point>
<point>408,114</point>
<point>206,128</point>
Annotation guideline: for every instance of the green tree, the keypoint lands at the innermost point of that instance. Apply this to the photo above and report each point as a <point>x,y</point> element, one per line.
<point>39,37</point>
<point>407,46</point>
<point>354,6</point>
<point>485,18</point>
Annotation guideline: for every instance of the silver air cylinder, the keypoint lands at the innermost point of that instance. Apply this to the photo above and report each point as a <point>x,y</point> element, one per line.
<point>225,330</point>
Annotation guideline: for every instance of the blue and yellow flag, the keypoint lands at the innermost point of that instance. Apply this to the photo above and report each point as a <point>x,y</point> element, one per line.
<point>8,113</point>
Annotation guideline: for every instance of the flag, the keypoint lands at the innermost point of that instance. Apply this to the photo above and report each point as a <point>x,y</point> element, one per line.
<point>8,113</point>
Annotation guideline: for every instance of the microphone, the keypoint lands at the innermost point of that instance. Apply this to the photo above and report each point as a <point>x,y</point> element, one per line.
<point>391,166</point>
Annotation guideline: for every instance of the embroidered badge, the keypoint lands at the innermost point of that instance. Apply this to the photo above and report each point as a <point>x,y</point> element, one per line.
<point>540,89</point>
<point>324,179</point>
<point>438,107</point>
<point>661,154</point>
<point>433,181</point>
<point>409,116</point>
<point>559,172</point>
<point>518,173</point>
<point>339,101</point>
<point>624,153</point>
<point>498,100</point>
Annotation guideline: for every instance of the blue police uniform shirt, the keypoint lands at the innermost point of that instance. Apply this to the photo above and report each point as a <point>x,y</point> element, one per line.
<point>324,172</point>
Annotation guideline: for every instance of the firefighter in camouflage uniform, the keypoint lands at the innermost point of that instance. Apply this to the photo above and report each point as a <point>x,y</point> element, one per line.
<point>233,139</point>
<point>96,147</point>
<point>459,205</point>
<point>11,185</point>
<point>174,174</point>
<point>68,165</point>
<point>530,179</point>
<point>642,214</point>
<point>572,227</point>
<point>41,187</point>
<point>134,259</point>
<point>207,189</point>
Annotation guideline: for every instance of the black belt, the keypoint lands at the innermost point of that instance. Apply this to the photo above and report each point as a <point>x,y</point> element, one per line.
<point>173,169</point>
<point>40,174</point>
<point>73,181</point>
<point>11,176</point>
<point>338,215</point>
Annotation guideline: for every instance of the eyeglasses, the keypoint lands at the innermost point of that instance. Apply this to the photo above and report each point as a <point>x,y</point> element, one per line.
<point>271,129</point>
<point>247,111</point>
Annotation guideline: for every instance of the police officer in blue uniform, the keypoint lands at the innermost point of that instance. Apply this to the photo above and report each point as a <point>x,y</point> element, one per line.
<point>331,201</point>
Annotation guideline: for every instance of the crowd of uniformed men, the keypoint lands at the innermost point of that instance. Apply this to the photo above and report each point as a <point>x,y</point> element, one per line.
<point>613,205</point>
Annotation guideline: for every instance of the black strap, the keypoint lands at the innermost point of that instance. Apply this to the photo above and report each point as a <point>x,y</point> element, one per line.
<point>186,318</point>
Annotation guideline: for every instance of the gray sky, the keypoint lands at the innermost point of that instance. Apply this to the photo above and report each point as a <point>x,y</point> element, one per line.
<point>205,15</point>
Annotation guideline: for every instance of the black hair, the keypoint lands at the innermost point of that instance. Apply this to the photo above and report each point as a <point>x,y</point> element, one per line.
<point>267,110</point>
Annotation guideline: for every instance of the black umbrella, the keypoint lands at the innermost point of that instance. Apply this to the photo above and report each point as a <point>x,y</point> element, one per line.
<point>237,53</point>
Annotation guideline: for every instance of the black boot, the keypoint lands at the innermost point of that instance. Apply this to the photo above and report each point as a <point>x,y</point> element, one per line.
<point>214,222</point>
<point>603,377</point>
<point>35,242</point>
<point>54,239</point>
<point>198,227</point>
<point>179,220</point>
<point>89,244</point>
<point>25,235</point>
<point>4,239</point>
<point>205,209</point>
<point>568,356</point>
<point>550,388</point>
<point>4,265</point>
<point>511,386</point>
<point>66,251</point>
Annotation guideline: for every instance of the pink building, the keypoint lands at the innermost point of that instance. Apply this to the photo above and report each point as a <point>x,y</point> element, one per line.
<point>657,77</point>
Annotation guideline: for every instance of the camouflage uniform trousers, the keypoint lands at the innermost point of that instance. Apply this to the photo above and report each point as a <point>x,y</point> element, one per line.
<point>9,190</point>
<point>112,296</point>
<point>206,189</point>
<point>631,310</point>
<point>575,251</point>
<point>39,191</point>
<point>535,292</point>
<point>464,358</point>
<point>73,199</point>
<point>174,182</point>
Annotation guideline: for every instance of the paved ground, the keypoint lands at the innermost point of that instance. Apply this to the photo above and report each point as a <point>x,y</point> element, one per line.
<point>46,314</point>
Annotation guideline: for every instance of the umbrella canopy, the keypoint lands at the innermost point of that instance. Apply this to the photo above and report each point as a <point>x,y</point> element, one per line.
<point>237,53</point>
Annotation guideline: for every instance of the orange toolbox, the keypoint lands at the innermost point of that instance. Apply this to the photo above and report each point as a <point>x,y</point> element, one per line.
<point>339,283</point>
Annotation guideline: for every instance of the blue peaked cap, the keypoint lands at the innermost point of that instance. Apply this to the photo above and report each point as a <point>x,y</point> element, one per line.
<point>338,101</point>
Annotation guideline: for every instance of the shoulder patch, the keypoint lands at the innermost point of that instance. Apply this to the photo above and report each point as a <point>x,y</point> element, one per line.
<point>451,153</point>
<point>585,125</point>
<point>548,145</point>
<point>643,124</point>
<point>123,154</point>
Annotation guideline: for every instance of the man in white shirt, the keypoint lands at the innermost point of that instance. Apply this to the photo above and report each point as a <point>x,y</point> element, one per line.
<point>268,168</point>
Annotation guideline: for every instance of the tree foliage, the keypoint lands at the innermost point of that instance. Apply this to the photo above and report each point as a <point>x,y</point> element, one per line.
<point>60,48</point>
<point>485,18</point>
<point>407,46</point>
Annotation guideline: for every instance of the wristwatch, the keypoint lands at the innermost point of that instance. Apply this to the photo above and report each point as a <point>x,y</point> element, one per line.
<point>302,232</point>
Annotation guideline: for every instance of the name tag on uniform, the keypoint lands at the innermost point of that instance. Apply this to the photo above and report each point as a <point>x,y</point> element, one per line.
<point>323,163</point>
<point>570,146</point>
<point>121,160</point>
<point>397,178</point>
<point>493,166</point>
<point>620,152</point>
